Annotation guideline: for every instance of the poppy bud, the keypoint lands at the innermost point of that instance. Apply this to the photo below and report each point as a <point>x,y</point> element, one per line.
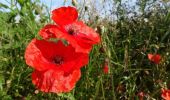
<point>101,50</point>
<point>74,3</point>
<point>106,69</point>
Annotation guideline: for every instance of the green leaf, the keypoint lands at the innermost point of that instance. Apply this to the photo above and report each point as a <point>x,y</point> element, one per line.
<point>3,6</point>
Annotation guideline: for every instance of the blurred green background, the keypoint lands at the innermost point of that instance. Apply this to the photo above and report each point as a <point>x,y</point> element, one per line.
<point>130,29</point>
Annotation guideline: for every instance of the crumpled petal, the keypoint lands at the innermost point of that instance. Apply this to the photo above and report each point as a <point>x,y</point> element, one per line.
<point>85,33</point>
<point>35,57</point>
<point>82,40</point>
<point>45,32</point>
<point>39,54</point>
<point>64,15</point>
<point>55,80</point>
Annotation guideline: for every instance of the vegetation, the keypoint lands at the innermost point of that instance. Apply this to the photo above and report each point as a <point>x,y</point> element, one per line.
<point>128,35</point>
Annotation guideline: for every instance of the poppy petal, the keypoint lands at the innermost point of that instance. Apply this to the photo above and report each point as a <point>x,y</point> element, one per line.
<point>154,58</point>
<point>40,55</point>
<point>55,80</point>
<point>83,37</point>
<point>64,15</point>
<point>45,32</point>
<point>165,94</point>
<point>85,33</point>
<point>34,56</point>
<point>82,40</point>
<point>150,56</point>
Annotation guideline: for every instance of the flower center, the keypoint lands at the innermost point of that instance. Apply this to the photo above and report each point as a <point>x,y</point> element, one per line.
<point>58,60</point>
<point>71,31</point>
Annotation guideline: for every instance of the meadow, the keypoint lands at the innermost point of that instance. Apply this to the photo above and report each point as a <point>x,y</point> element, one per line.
<point>128,35</point>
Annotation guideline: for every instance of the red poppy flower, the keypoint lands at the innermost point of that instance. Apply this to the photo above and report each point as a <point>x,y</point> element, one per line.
<point>56,81</point>
<point>154,58</point>
<point>43,55</point>
<point>57,67</point>
<point>79,35</point>
<point>165,94</point>
<point>106,69</point>
<point>141,95</point>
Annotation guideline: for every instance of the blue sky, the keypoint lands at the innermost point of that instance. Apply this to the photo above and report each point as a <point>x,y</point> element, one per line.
<point>50,3</point>
<point>55,3</point>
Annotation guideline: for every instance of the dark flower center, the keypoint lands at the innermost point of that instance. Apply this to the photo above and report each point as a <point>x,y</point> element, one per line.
<point>71,31</point>
<point>58,60</point>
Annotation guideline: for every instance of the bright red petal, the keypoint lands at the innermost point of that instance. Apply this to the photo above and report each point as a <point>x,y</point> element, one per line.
<point>46,33</point>
<point>157,59</point>
<point>82,39</point>
<point>34,57</point>
<point>84,36</point>
<point>165,94</point>
<point>40,55</point>
<point>85,33</point>
<point>154,58</point>
<point>55,80</point>
<point>60,33</point>
<point>64,15</point>
<point>74,60</point>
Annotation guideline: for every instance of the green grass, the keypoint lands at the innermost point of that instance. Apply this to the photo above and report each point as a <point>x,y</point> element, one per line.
<point>124,45</point>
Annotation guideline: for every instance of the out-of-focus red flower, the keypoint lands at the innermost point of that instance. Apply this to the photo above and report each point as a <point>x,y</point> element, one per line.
<point>106,69</point>
<point>79,35</point>
<point>154,58</point>
<point>165,94</point>
<point>141,95</point>
<point>43,55</point>
<point>57,67</point>
<point>56,81</point>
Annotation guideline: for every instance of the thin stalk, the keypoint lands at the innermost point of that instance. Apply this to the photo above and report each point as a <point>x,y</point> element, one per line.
<point>103,93</point>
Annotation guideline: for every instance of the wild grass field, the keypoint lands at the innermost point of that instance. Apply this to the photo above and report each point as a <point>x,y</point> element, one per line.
<point>128,35</point>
